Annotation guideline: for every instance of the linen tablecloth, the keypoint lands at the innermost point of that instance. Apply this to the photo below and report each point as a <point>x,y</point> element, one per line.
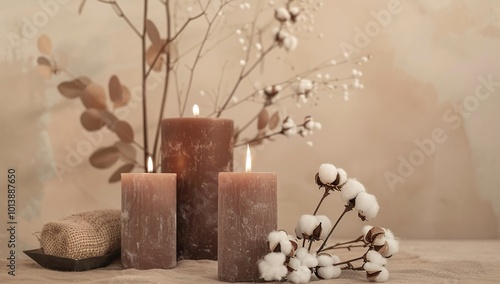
<point>419,261</point>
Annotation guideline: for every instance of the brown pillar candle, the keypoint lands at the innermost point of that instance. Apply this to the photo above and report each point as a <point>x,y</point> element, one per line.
<point>247,214</point>
<point>148,233</point>
<point>197,149</point>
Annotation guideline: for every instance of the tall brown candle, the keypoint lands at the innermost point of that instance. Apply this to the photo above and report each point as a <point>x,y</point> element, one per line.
<point>247,213</point>
<point>148,233</point>
<point>197,149</point>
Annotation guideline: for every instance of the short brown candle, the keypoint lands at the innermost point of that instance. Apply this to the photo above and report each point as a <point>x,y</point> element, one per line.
<point>247,213</point>
<point>148,221</point>
<point>197,149</point>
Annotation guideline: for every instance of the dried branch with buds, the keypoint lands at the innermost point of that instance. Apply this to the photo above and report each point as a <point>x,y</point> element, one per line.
<point>166,53</point>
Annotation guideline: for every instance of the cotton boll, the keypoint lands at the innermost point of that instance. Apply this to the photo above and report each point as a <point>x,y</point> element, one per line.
<point>342,175</point>
<point>294,10</point>
<point>286,247</point>
<point>272,268</point>
<point>325,259</point>
<point>306,225</point>
<point>372,275</point>
<point>294,263</point>
<point>290,132</point>
<point>309,124</point>
<point>393,248</point>
<point>281,14</point>
<point>275,258</point>
<point>379,240</point>
<point>375,257</point>
<point>290,43</point>
<point>317,125</point>
<point>309,261</point>
<point>383,276</point>
<point>367,205</point>
<point>329,272</point>
<point>301,253</point>
<point>275,237</point>
<point>327,173</point>
<point>351,189</point>
<point>306,258</point>
<point>300,276</point>
<point>388,234</point>
<point>366,229</point>
<point>326,226</point>
<point>288,123</point>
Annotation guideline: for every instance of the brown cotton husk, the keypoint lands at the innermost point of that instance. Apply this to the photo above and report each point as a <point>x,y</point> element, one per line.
<point>372,275</point>
<point>373,233</point>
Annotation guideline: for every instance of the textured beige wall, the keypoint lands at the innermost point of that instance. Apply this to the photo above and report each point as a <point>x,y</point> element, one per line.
<point>430,56</point>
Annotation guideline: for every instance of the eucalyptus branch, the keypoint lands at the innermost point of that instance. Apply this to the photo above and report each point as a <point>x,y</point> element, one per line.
<point>144,79</point>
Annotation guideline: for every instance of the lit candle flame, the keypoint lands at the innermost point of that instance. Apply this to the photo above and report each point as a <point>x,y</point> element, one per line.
<point>150,164</point>
<point>248,166</point>
<point>196,110</point>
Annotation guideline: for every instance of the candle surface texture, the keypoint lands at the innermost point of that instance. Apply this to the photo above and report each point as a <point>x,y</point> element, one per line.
<point>148,221</point>
<point>197,149</point>
<point>247,213</point>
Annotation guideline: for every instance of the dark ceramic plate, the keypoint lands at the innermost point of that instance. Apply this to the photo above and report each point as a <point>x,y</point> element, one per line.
<point>68,264</point>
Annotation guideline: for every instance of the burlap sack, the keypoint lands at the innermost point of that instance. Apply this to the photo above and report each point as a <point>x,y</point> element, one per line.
<point>83,235</point>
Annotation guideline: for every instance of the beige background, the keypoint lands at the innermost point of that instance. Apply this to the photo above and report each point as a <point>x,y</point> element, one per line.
<point>429,57</point>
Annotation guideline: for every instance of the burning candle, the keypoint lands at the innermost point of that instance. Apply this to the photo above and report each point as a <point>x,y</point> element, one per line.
<point>197,149</point>
<point>148,233</point>
<point>247,213</point>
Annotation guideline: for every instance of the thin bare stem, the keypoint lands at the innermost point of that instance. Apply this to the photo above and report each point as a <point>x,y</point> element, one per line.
<point>342,245</point>
<point>259,138</point>
<point>327,192</point>
<point>166,84</point>
<point>197,58</point>
<point>237,133</point>
<point>243,74</point>
<point>347,209</point>
<point>118,10</point>
<point>171,39</point>
<point>67,73</point>
<point>349,261</point>
<point>144,79</point>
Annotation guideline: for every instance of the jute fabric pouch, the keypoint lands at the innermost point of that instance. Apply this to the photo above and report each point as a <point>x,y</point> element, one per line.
<point>83,235</point>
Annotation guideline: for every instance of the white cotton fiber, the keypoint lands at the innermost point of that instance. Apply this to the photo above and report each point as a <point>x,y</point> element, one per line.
<point>325,259</point>
<point>342,176</point>
<point>329,272</point>
<point>286,247</point>
<point>274,238</point>
<point>327,173</point>
<point>272,268</point>
<point>375,257</point>
<point>367,205</point>
<point>300,276</point>
<point>393,247</point>
<point>351,189</point>
<point>306,225</point>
